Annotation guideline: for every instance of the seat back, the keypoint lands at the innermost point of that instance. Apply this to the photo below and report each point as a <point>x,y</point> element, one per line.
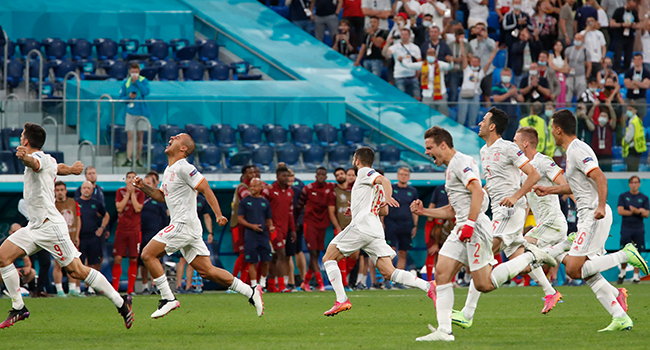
<point>158,49</point>
<point>250,134</point>
<point>289,154</point>
<point>178,44</point>
<point>119,143</point>
<point>87,66</point>
<point>218,70</point>
<point>169,130</point>
<point>201,135</point>
<point>262,155</point>
<point>275,134</point>
<point>313,154</point>
<point>11,50</point>
<point>340,154</point>
<point>58,155</point>
<point>186,53</point>
<point>210,155</point>
<point>55,48</point>
<point>301,134</point>
<point>129,46</point>
<point>81,49</point>
<point>63,67</point>
<point>389,154</point>
<point>158,158</point>
<point>149,72</point>
<point>224,134</point>
<point>193,71</point>
<point>352,133</point>
<point>106,48</point>
<point>500,59</point>
<point>7,163</point>
<point>15,70</point>
<point>168,71</point>
<point>11,138</point>
<point>208,50</point>
<point>118,70</point>
<point>326,134</point>
<point>28,44</point>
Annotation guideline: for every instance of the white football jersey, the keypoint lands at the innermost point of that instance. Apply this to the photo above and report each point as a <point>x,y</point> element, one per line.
<point>580,160</point>
<point>462,170</point>
<point>547,208</point>
<point>38,191</point>
<point>179,184</point>
<point>365,202</point>
<point>501,163</point>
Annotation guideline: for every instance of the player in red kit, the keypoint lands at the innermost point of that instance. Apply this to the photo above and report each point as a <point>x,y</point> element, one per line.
<point>248,172</point>
<point>315,200</point>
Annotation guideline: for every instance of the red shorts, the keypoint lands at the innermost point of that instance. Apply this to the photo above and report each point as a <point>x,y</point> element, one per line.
<point>279,239</point>
<point>127,244</point>
<point>314,237</point>
<point>238,239</point>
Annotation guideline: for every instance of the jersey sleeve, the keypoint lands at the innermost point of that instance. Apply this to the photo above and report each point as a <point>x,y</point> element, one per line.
<point>465,173</point>
<point>190,175</point>
<point>552,170</point>
<point>119,195</point>
<point>517,156</point>
<point>585,161</point>
<point>369,178</point>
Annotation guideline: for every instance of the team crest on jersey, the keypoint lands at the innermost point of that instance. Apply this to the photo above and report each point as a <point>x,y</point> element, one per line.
<point>497,156</point>
<point>372,171</point>
<point>552,164</point>
<point>193,172</point>
<point>588,159</point>
<point>520,153</point>
<point>467,169</point>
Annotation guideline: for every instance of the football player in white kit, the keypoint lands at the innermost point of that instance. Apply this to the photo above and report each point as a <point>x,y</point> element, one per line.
<point>470,243</point>
<point>586,257</point>
<point>365,232</point>
<point>47,229</point>
<point>178,189</point>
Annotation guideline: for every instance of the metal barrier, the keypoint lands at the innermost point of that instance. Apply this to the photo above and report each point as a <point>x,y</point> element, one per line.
<point>13,97</point>
<point>110,99</point>
<point>40,76</point>
<point>137,122</point>
<point>65,97</point>
<point>4,75</point>
<point>56,127</point>
<point>92,150</point>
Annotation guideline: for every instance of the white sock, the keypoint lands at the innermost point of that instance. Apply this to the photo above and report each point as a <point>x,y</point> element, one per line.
<point>101,285</point>
<point>263,280</point>
<point>603,263</point>
<point>444,305</point>
<point>163,287</point>
<point>557,250</point>
<point>71,287</point>
<point>407,279</point>
<point>90,289</point>
<point>621,271</point>
<point>472,300</point>
<point>361,278</point>
<point>241,288</point>
<point>253,283</point>
<point>510,269</point>
<point>636,276</point>
<point>78,288</point>
<point>540,278</point>
<point>286,280</point>
<point>334,275</point>
<point>599,286</point>
<point>59,287</point>
<point>11,279</point>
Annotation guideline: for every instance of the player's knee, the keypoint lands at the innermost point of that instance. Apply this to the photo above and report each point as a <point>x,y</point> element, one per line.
<point>574,272</point>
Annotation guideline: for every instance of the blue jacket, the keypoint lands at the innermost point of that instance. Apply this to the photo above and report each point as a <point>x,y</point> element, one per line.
<point>137,106</point>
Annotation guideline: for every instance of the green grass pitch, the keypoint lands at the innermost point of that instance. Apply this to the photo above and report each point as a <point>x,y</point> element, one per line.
<point>507,318</point>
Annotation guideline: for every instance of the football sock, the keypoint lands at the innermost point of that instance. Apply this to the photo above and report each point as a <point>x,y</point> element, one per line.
<point>245,271</point>
<point>71,287</point>
<point>604,294</point>
<point>238,265</point>
<point>271,285</point>
<point>636,276</point>
<point>407,279</point>
<point>343,267</point>
<point>11,278</point>
<point>361,278</point>
<point>285,280</point>
<point>335,277</point>
<point>253,283</point>
<point>263,281</point>
<point>133,274</point>
<point>241,288</point>
<point>429,263</point>
<point>621,272</point>
<point>89,289</point>
<point>510,269</point>
<point>78,288</point>
<point>443,306</point>
<point>281,284</point>
<point>101,285</point>
<point>472,300</point>
<point>59,287</point>
<point>557,250</point>
<point>163,287</point>
<point>308,276</point>
<point>603,263</point>
<point>540,278</point>
<point>319,278</point>
<point>117,273</point>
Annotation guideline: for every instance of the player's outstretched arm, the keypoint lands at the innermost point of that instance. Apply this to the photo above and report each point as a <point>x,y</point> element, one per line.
<point>546,190</point>
<point>601,184</point>
<point>533,177</point>
<point>204,188</point>
<point>560,180</point>
<point>446,212</point>
<point>388,191</point>
<point>476,190</point>
<point>27,159</point>
<point>75,169</point>
<point>154,193</point>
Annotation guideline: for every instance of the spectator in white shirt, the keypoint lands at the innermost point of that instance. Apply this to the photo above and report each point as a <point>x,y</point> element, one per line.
<point>438,11</point>
<point>482,47</point>
<point>401,22</point>
<point>407,52</point>
<point>410,7</point>
<point>470,91</point>
<point>595,45</point>
<point>478,12</point>
<point>432,82</point>
<point>379,8</point>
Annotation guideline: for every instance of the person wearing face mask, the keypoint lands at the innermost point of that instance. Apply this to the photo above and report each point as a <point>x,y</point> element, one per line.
<point>455,77</point>
<point>579,67</point>
<point>533,87</point>
<point>623,26</point>
<point>514,21</point>
<point>585,123</point>
<point>505,96</point>
<point>378,8</point>
<point>470,91</point>
<point>611,94</point>
<point>591,95</point>
<point>437,43</point>
<point>637,81</point>
<point>634,141</point>
<point>602,139</point>
<point>134,89</point>
<point>545,71</point>
<point>595,45</point>
<point>606,72</point>
<point>522,54</point>
<point>483,46</point>
<point>432,80</point>
<point>437,10</point>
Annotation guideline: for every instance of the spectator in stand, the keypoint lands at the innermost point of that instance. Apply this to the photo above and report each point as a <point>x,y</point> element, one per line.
<point>153,218</point>
<point>401,22</point>
<point>595,45</point>
<point>545,25</point>
<point>437,10</point>
<point>354,15</point>
<point>339,202</point>
<point>374,40</point>
<point>603,22</point>
<point>410,7</point>
<point>606,72</point>
<point>346,42</point>
<point>602,139</point>
<point>483,46</point>
<point>128,201</point>
<point>478,12</point>
<point>579,67</point>
<point>545,71</point>
<point>300,13</point>
<point>314,199</point>
<point>70,211</point>
<point>93,232</point>
<point>91,176</point>
<point>567,24</point>
<point>560,65</point>
<point>522,54</point>
<point>470,91</point>
<point>513,22</point>
<point>455,76</point>
<point>633,206</point>
<point>421,31</point>
<point>134,90</point>
<point>442,49</point>
<point>506,95</point>
<point>326,14</point>
<point>634,142</point>
<point>611,94</point>
<point>583,13</point>
<point>254,213</point>
<point>502,7</point>
<point>408,52</point>
<point>248,173</point>
<point>432,80</point>
<point>585,125</point>
<point>533,87</point>
<point>590,96</point>
<point>377,8</point>
<point>637,81</point>
<point>645,41</point>
<point>449,31</point>
<point>536,121</point>
<point>623,24</point>
<point>610,7</point>
<point>294,248</point>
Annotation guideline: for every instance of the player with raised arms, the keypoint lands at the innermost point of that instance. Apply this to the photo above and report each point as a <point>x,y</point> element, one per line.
<point>365,232</point>
<point>586,258</point>
<point>47,229</point>
<point>470,243</point>
<point>178,188</point>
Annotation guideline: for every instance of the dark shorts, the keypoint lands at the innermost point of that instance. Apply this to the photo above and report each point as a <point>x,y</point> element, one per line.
<point>314,237</point>
<point>637,237</point>
<point>146,237</point>
<point>257,249</point>
<point>293,248</point>
<point>399,235</point>
<point>127,244</point>
<point>237,239</point>
<point>91,250</point>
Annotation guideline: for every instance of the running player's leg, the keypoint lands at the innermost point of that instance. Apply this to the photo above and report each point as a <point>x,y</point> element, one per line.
<point>9,252</point>
<point>330,261</point>
<point>382,254</point>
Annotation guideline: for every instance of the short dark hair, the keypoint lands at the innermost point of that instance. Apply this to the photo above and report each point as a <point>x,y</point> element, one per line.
<point>380,171</point>
<point>339,168</point>
<point>153,174</point>
<point>365,155</point>
<point>565,120</point>
<point>500,120</point>
<point>89,168</point>
<point>346,22</point>
<point>375,17</point>
<point>281,169</point>
<point>439,135</point>
<point>321,168</point>
<point>189,143</point>
<point>638,53</point>
<point>591,79</point>
<point>134,65</point>
<point>459,31</point>
<point>544,51</point>
<point>60,183</point>
<point>131,172</point>
<point>634,177</point>
<point>35,135</point>
<point>245,168</point>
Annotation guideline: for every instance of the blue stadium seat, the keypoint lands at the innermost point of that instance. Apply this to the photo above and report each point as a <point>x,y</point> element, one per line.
<point>460,16</point>
<point>80,49</point>
<point>119,143</point>
<point>263,157</point>
<point>129,46</point>
<point>192,70</point>
<point>352,134</point>
<point>189,128</point>
<point>218,70</point>
<point>142,63</point>
<point>236,159</point>
<point>327,134</point>
<point>167,131</point>
<point>7,163</point>
<point>168,70</point>
<point>313,156</point>
<point>55,48</point>
<point>11,51</point>
<point>58,155</point>
<point>155,136</point>
<point>210,159</point>
<point>493,20</point>
<point>185,53</point>
<point>158,158</point>
<point>241,70</point>
<point>500,59</point>
<point>224,135</point>
<point>28,44</point>
<point>150,72</point>
<point>117,70</point>
<point>106,48</point>
<point>47,91</point>
<point>289,154</point>
<point>11,138</point>
<point>14,73</point>
<point>158,49</point>
<point>87,67</point>
<point>201,136</point>
<point>389,157</point>
<point>249,134</point>
<point>208,50</point>
<point>63,67</point>
<point>496,76</point>
<point>276,135</point>
<point>34,70</point>
<point>339,156</point>
<point>301,135</point>
<point>178,44</point>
